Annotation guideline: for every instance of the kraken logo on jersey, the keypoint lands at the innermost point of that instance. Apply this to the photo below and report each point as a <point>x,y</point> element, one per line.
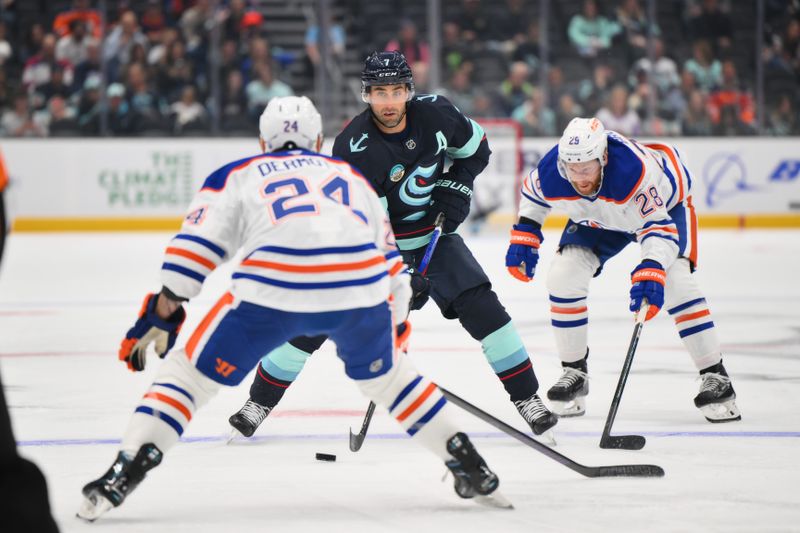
<point>356,146</point>
<point>416,189</point>
<point>397,173</point>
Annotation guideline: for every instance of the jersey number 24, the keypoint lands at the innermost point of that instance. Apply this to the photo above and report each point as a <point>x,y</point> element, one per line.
<point>286,197</point>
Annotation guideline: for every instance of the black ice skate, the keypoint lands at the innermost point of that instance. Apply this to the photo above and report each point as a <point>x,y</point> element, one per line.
<point>248,418</point>
<point>124,475</point>
<point>473,479</point>
<point>717,399</point>
<point>568,395</point>
<point>538,417</point>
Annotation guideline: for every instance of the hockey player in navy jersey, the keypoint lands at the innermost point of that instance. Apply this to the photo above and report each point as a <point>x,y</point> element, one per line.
<point>617,191</point>
<point>319,258</point>
<point>401,144</point>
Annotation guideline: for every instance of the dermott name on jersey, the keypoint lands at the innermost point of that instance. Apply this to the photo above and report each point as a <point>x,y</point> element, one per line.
<point>291,163</point>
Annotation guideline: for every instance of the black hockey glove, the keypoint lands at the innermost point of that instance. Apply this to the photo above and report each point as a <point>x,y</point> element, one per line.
<point>420,289</point>
<point>452,198</point>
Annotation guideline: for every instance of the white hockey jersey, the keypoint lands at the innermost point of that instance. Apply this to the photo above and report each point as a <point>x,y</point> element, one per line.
<point>641,184</point>
<point>314,234</point>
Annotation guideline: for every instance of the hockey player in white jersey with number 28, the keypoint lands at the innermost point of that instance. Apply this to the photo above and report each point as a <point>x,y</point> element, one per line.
<point>320,258</point>
<point>617,191</point>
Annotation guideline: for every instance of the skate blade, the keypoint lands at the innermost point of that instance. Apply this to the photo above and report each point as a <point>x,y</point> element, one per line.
<point>576,407</point>
<point>93,508</point>
<point>495,500</point>
<point>721,412</point>
<point>549,438</point>
<point>234,433</point>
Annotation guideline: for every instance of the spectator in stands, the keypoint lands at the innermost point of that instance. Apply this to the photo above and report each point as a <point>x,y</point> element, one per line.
<point>33,42</point>
<point>153,21</point>
<point>234,103</point>
<point>662,72</point>
<point>409,43</point>
<point>6,50</point>
<point>455,52</point>
<point>420,72</point>
<point>117,46</point>
<point>119,113</point>
<point>707,70</point>
<point>567,109</point>
<point>74,46</point>
<point>263,89</point>
<point>187,113</point>
<point>483,106</point>
<point>18,122</point>
<point>473,21</point>
<point>536,119</point>
<point>91,66</point>
<point>617,116</point>
<point>515,89</point>
<point>635,28</point>
<point>59,119</point>
<point>336,45</point>
<point>695,121</point>
<point>731,94</point>
<point>159,47</point>
<point>593,93</point>
<point>174,71</point>
<point>193,24</point>
<point>259,52</point>
<point>233,15</point>
<point>783,117</point>
<point>55,87</point>
<point>556,86</point>
<point>39,68</point>
<point>146,106</point>
<point>591,33</point>
<point>81,10</point>
<point>528,51</point>
<point>708,21</point>
<point>512,25</point>
<point>459,90</point>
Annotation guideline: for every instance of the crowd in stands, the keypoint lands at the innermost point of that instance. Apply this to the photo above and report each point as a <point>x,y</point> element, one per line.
<point>147,72</point>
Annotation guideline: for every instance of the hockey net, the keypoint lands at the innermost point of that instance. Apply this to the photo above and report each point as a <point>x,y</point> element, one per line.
<point>497,188</point>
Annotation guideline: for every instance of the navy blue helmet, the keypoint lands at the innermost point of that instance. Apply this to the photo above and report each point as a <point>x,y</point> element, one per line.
<point>386,68</point>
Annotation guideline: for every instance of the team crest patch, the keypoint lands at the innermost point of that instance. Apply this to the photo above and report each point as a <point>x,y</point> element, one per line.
<point>411,144</point>
<point>397,173</point>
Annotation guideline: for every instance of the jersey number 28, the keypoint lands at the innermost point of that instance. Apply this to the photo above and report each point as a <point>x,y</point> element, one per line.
<point>646,201</point>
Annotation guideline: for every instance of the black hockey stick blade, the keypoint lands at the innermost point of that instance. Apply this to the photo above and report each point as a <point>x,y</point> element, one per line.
<point>623,442</point>
<point>587,471</point>
<point>356,440</point>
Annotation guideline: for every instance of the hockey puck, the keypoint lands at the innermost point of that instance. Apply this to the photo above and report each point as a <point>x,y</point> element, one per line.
<point>326,457</point>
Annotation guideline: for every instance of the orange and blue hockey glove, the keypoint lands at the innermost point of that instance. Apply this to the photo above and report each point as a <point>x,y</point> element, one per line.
<point>648,281</point>
<point>150,328</point>
<point>523,252</point>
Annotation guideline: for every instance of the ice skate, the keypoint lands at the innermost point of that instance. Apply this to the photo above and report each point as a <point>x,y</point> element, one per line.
<point>538,417</point>
<point>124,475</point>
<point>717,399</point>
<point>568,395</point>
<point>473,479</point>
<point>247,419</point>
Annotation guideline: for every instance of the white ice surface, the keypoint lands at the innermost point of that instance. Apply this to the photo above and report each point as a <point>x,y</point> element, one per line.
<point>66,300</point>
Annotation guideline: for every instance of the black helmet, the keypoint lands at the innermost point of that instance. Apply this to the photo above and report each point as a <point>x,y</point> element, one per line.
<point>386,68</point>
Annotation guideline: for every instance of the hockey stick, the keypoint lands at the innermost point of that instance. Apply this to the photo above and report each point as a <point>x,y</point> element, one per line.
<point>624,442</point>
<point>588,471</point>
<point>357,440</point>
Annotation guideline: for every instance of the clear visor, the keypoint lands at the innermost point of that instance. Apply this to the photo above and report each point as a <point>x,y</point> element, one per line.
<point>387,95</point>
<point>585,177</point>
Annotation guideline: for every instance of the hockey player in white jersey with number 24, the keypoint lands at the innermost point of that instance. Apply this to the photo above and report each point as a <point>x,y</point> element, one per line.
<point>617,191</point>
<point>320,258</point>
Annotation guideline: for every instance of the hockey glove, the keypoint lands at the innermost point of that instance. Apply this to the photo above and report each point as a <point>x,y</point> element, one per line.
<point>523,252</point>
<point>453,199</point>
<point>648,284</point>
<point>150,328</point>
<point>420,289</point>
<point>402,333</point>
